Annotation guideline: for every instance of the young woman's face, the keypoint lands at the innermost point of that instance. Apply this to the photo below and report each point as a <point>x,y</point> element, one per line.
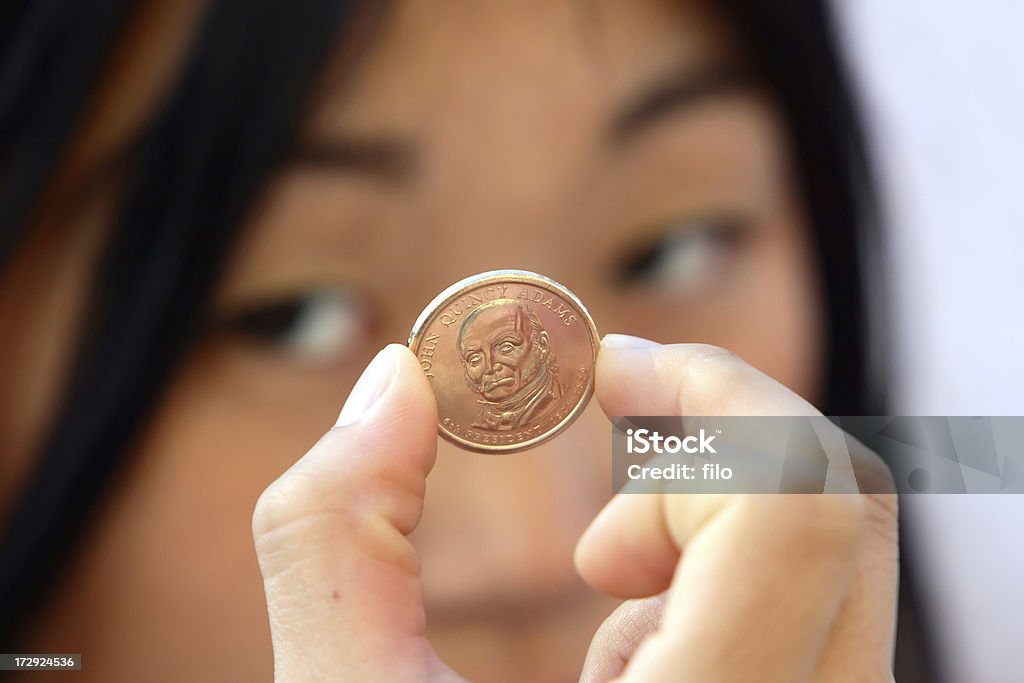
<point>551,136</point>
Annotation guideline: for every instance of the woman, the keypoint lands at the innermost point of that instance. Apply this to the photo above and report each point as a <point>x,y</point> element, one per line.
<point>204,258</point>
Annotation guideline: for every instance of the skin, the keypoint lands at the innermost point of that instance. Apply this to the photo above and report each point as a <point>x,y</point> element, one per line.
<point>517,170</point>
<point>343,580</point>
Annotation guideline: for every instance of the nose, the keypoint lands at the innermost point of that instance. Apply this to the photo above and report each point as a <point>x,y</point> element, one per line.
<point>502,528</point>
<point>490,363</point>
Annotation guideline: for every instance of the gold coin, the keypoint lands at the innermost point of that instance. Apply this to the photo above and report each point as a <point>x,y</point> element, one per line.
<point>510,355</point>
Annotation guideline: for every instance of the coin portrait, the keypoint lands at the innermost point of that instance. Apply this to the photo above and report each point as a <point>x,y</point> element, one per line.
<point>507,357</point>
<point>510,356</point>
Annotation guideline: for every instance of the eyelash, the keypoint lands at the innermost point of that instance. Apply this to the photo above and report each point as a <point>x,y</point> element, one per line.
<point>678,259</point>
<point>326,323</point>
<point>321,324</point>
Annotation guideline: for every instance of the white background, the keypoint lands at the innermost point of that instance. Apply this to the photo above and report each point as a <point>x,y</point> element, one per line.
<point>942,83</point>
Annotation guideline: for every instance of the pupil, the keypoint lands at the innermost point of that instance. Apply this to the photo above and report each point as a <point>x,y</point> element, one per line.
<point>271,321</point>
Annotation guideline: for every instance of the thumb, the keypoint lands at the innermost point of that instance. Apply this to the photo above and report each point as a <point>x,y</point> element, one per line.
<point>341,578</point>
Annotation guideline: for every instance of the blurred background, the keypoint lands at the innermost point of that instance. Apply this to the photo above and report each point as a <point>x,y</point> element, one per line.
<point>944,98</point>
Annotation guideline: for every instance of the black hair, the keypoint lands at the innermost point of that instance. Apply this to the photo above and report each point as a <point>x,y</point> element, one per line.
<point>192,175</point>
<point>189,181</point>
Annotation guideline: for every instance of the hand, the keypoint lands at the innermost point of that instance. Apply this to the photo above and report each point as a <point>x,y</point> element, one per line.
<point>794,587</point>
<point>769,587</point>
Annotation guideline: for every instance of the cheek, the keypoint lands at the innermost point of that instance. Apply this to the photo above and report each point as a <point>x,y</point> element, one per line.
<point>516,358</point>
<point>780,328</point>
<point>174,540</point>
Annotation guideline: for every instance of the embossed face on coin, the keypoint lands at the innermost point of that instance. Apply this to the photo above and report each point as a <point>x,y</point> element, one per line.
<point>510,355</point>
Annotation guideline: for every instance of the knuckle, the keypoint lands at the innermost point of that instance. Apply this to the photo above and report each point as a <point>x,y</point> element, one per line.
<point>882,516</point>
<point>878,484</point>
<point>284,501</point>
<point>872,472</point>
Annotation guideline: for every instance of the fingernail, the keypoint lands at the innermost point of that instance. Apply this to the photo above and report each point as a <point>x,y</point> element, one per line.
<point>626,341</point>
<point>371,386</point>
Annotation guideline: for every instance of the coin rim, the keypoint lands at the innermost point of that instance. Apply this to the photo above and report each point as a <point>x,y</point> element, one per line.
<point>516,276</point>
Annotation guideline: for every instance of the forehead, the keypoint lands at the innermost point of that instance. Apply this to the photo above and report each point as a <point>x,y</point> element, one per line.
<point>541,65</point>
<point>492,320</point>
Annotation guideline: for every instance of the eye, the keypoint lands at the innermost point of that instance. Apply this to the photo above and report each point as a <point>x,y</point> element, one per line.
<point>319,325</point>
<point>683,257</point>
<point>506,347</point>
<point>474,359</point>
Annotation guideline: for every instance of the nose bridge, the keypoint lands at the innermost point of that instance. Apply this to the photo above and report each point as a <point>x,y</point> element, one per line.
<point>492,193</point>
<point>503,222</point>
<point>498,195</point>
<point>488,357</point>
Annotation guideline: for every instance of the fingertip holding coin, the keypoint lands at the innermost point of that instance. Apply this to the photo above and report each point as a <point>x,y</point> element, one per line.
<point>510,355</point>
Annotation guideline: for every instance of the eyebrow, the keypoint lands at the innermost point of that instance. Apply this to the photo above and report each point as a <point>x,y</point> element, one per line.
<point>393,160</point>
<point>388,159</point>
<point>674,93</point>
